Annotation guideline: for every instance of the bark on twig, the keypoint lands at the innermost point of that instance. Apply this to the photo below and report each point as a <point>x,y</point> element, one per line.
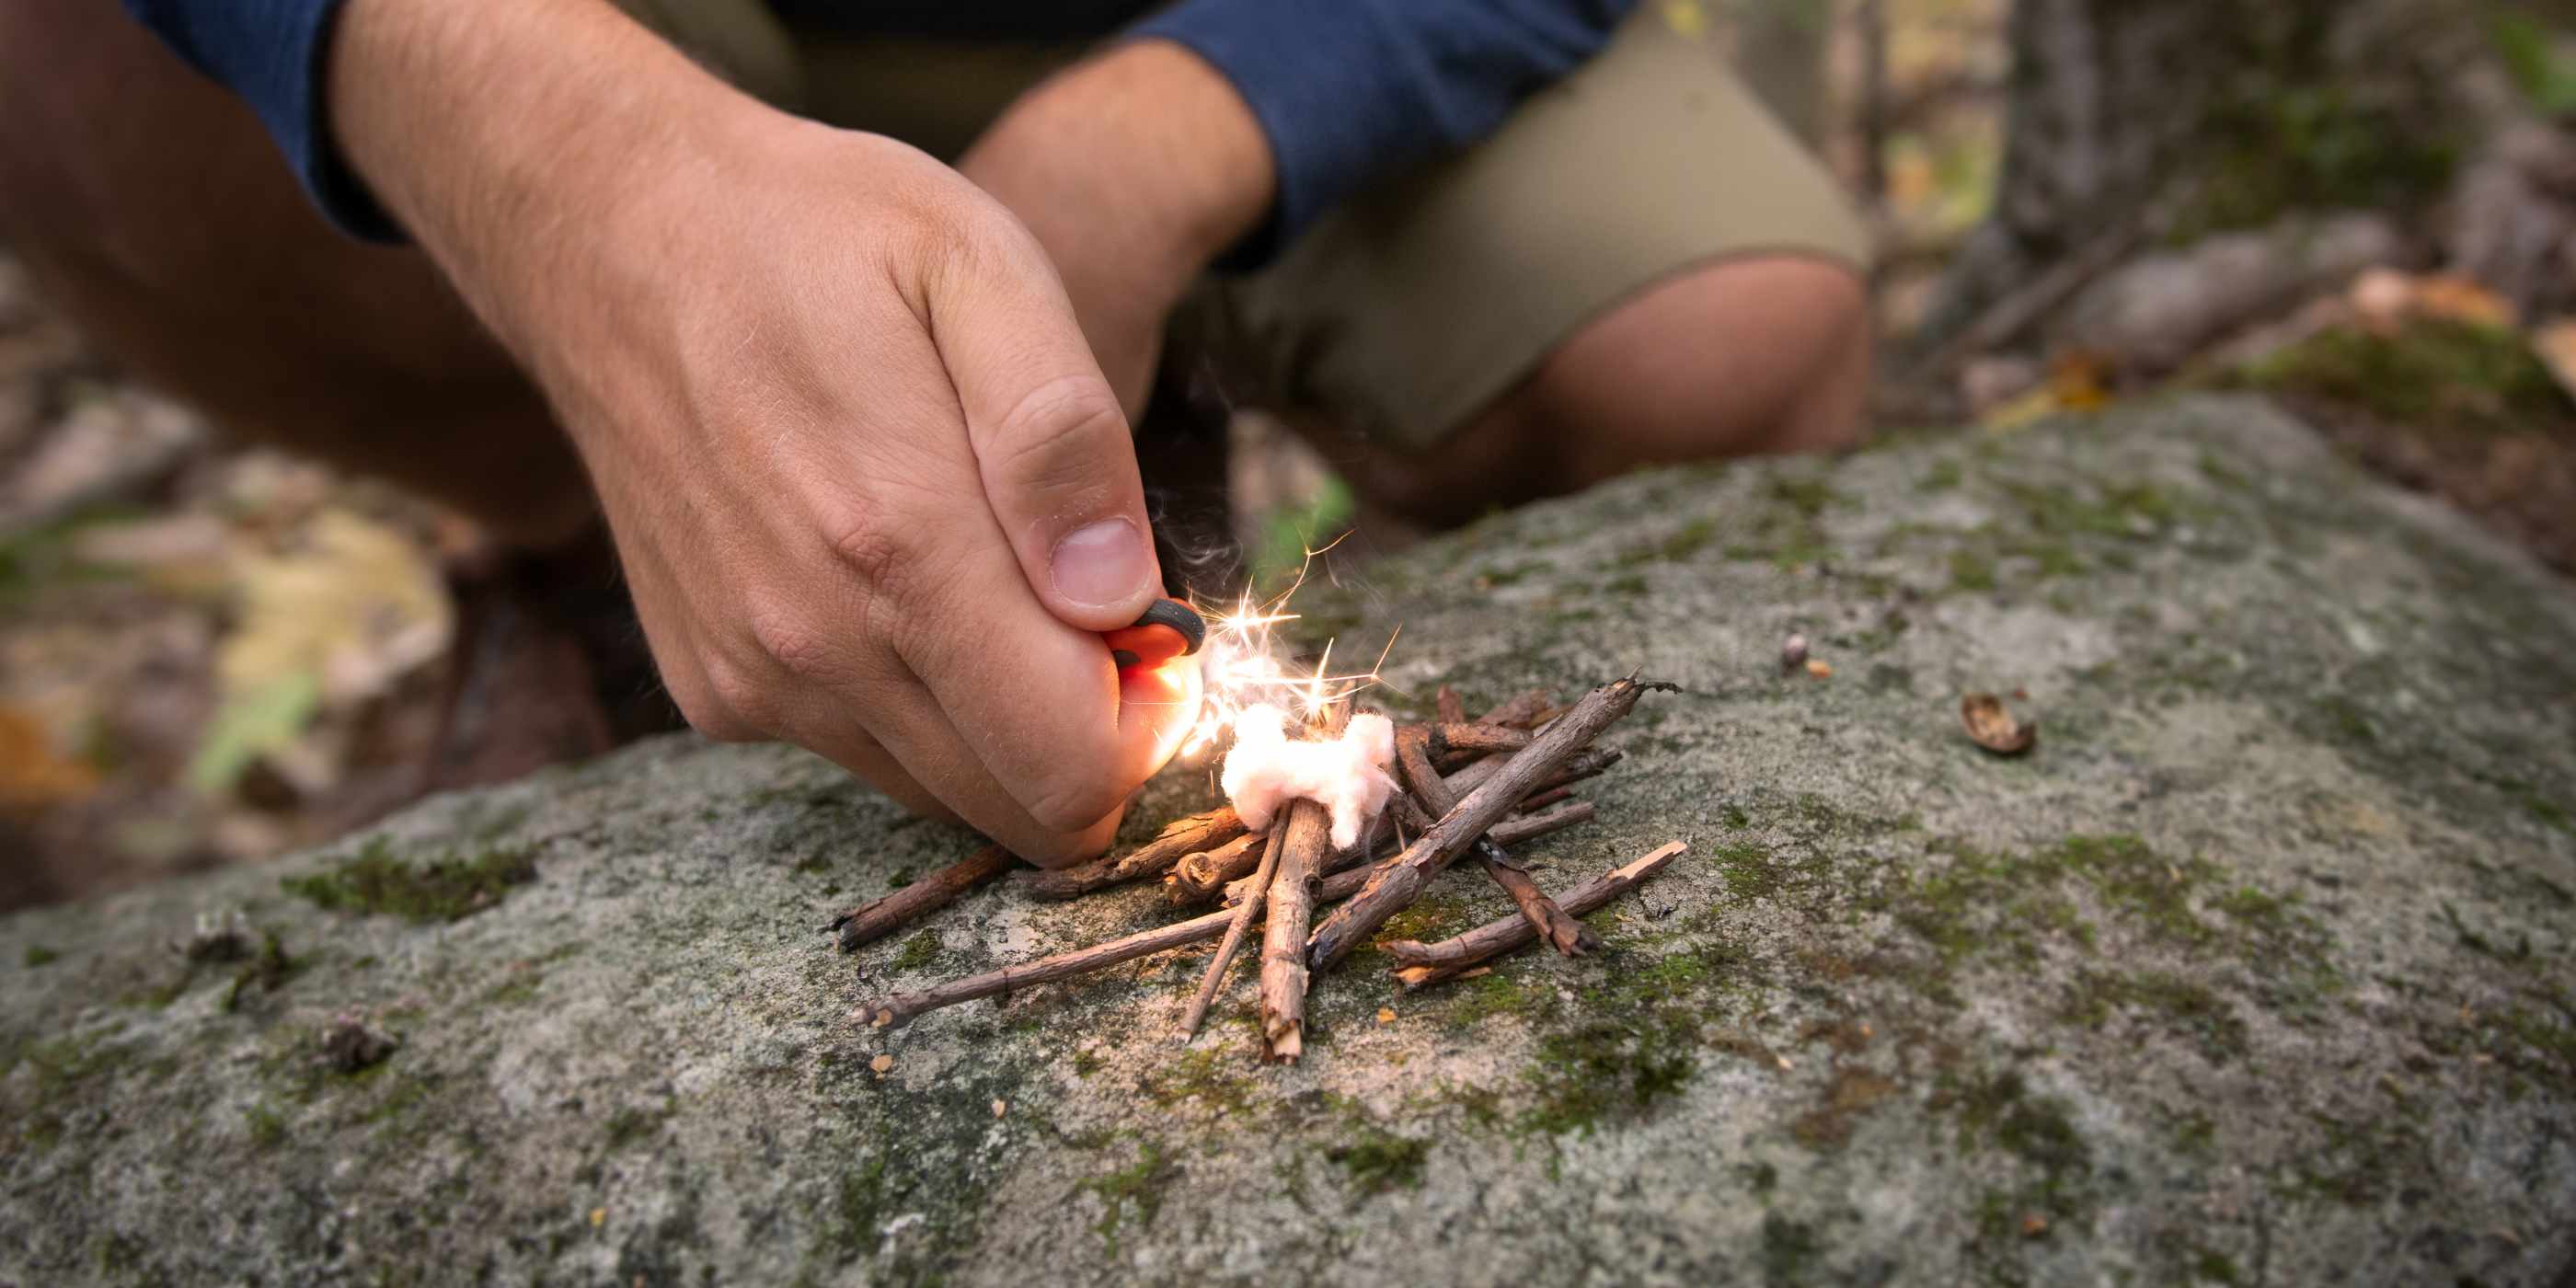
<point>1587,763</point>
<point>1420,964</point>
<point>1283,934</point>
<point>1393,884</point>
<point>870,922</point>
<point>1541,800</point>
<point>1453,709</point>
<point>1202,873</point>
<point>1519,711</point>
<point>1234,932</point>
<point>1450,737</point>
<point>902,1007</point>
<point>1563,933</point>
<point>1152,859</point>
<point>1511,831</point>
<point>1454,746</point>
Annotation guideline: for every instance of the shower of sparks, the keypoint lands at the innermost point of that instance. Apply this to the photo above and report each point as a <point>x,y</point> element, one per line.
<point>1240,667</point>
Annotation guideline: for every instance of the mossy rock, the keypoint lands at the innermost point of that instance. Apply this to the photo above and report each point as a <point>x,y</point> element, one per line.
<point>2258,968</point>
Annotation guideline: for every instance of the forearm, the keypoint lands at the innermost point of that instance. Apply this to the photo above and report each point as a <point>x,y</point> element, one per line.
<point>1175,164</point>
<point>506,136</point>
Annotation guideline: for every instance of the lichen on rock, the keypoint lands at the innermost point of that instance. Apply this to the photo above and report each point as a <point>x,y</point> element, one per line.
<point>2257,966</point>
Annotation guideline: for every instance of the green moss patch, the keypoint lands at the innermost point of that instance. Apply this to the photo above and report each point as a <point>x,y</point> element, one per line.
<point>446,888</point>
<point>1131,1193</point>
<point>1379,1160</point>
<point>2433,375</point>
<point>918,951</point>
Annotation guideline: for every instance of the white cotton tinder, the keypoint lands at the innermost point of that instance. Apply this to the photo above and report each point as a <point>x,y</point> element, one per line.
<point>1348,778</point>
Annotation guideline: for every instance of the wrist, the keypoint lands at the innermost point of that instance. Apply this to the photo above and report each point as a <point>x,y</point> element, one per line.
<point>512,139</point>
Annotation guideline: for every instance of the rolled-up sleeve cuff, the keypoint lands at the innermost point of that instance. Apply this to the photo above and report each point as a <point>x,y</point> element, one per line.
<point>272,54</point>
<point>1334,112</point>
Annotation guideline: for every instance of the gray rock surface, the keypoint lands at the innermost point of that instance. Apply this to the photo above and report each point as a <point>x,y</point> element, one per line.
<point>2257,970</point>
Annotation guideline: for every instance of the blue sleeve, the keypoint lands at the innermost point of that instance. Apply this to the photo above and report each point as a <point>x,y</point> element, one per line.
<point>270,53</point>
<point>1349,90</point>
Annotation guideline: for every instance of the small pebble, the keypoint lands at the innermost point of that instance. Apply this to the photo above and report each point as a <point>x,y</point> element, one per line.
<point>1386,1015</point>
<point>1793,653</point>
<point>2033,1226</point>
<point>881,1063</point>
<point>598,1217</point>
<point>1820,668</point>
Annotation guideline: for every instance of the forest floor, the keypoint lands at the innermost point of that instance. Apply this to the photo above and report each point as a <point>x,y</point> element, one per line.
<point>211,654</point>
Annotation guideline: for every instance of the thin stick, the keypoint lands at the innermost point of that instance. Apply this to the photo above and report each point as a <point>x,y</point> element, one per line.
<point>903,1007</point>
<point>1587,763</point>
<point>1422,964</point>
<point>870,922</point>
<point>1233,940</point>
<point>1562,932</point>
<point>1202,873</point>
<point>1451,737</point>
<point>1541,800</point>
<point>1453,709</point>
<point>1511,831</point>
<point>1283,934</point>
<point>1518,711</point>
<point>1196,832</point>
<point>1394,883</point>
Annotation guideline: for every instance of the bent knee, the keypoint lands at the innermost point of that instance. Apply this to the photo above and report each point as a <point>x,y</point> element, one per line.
<point>1738,358</point>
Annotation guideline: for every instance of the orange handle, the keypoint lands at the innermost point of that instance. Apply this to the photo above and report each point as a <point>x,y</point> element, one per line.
<point>1169,629</point>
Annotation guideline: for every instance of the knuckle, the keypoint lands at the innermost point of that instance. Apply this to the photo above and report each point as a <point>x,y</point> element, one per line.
<point>1073,802</point>
<point>790,640</point>
<point>737,697</point>
<point>1053,438</point>
<point>869,544</point>
<point>709,716</point>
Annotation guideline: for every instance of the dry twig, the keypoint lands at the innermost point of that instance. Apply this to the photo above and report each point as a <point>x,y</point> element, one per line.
<point>1587,763</point>
<point>1519,711</point>
<point>1393,884</point>
<point>1453,709</point>
<point>1421,964</point>
<point>1283,934</point>
<point>1234,932</point>
<point>902,1007</point>
<point>1202,873</point>
<point>1511,831</point>
<point>870,922</point>
<point>1413,756</point>
<point>1197,832</point>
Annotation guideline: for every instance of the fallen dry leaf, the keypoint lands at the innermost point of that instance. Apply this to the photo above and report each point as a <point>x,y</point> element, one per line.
<point>1001,1107</point>
<point>2453,298</point>
<point>2384,299</point>
<point>1993,727</point>
<point>2079,381</point>
<point>333,622</point>
<point>2034,1225</point>
<point>882,1063</point>
<point>32,773</point>
<point>1820,668</point>
<point>1386,1015</point>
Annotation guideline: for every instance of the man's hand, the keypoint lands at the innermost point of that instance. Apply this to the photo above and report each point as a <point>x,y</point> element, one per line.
<point>1134,169</point>
<point>868,483</point>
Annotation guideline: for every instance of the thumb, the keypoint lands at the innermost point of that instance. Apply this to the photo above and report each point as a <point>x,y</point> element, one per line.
<point>1052,445</point>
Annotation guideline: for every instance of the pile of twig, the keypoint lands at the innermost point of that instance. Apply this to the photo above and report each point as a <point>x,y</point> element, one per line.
<point>1482,786</point>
